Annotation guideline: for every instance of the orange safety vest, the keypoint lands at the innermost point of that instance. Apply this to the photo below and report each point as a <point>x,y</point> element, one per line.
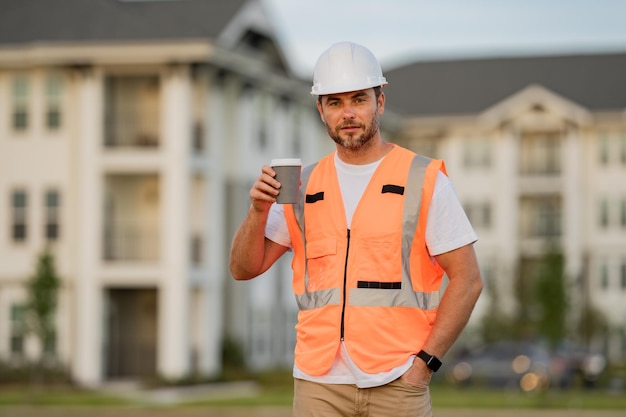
<point>374,286</point>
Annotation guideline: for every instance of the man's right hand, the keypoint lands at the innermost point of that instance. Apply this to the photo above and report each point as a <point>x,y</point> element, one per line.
<point>265,189</point>
<point>251,253</point>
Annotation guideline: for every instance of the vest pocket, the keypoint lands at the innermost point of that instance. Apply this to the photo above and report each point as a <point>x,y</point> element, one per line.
<point>321,259</point>
<point>380,262</point>
<point>321,247</point>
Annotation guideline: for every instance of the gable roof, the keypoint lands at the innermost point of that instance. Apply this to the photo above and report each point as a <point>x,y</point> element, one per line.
<point>31,21</point>
<point>463,87</point>
<point>535,99</point>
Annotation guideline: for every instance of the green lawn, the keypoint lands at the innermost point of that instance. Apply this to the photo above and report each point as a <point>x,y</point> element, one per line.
<point>450,397</point>
<point>54,396</point>
<point>278,392</point>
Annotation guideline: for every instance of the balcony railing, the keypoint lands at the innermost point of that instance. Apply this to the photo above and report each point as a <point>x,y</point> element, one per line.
<point>128,135</point>
<point>541,154</point>
<point>131,243</point>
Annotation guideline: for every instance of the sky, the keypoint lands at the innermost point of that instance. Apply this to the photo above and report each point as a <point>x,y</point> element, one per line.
<point>403,31</point>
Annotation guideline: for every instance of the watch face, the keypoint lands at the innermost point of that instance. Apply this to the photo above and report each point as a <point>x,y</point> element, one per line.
<point>434,363</point>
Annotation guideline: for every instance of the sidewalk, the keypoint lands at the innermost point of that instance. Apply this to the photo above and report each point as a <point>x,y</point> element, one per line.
<point>181,394</point>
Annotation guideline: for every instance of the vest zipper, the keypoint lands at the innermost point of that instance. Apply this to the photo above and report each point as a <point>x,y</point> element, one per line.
<point>345,284</point>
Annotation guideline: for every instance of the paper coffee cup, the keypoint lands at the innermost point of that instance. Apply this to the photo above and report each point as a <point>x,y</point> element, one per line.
<point>288,175</point>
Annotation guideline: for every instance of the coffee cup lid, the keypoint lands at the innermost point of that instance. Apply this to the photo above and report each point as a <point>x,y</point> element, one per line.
<point>286,161</point>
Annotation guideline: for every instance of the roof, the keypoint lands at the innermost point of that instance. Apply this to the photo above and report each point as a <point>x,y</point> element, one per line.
<point>27,21</point>
<point>464,87</point>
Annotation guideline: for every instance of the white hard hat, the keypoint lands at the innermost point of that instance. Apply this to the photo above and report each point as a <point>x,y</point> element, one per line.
<point>345,67</point>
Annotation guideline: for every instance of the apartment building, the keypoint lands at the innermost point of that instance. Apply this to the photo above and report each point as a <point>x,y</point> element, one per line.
<point>130,133</point>
<point>536,147</point>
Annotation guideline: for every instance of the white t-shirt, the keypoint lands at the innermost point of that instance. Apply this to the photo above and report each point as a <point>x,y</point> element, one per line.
<point>447,228</point>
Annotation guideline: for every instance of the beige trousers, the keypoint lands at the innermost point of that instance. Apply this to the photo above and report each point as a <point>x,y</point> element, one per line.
<point>396,399</point>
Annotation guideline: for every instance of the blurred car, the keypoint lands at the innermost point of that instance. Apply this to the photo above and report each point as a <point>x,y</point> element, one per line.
<point>575,365</point>
<point>509,364</point>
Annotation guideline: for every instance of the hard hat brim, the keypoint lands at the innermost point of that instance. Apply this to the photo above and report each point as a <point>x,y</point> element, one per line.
<point>318,90</point>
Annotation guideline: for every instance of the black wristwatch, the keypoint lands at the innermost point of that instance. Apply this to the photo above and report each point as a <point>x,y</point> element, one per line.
<point>433,362</point>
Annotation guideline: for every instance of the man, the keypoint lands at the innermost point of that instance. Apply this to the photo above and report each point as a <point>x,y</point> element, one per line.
<point>375,229</point>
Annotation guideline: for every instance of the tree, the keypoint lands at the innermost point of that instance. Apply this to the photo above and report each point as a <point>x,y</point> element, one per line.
<point>552,298</point>
<point>496,325</point>
<point>41,306</point>
<point>592,324</point>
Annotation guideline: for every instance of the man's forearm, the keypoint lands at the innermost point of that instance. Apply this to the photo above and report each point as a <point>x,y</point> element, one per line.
<point>247,252</point>
<point>458,300</point>
<point>453,314</point>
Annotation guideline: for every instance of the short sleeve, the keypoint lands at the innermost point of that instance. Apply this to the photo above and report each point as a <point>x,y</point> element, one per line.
<point>448,227</point>
<point>276,228</point>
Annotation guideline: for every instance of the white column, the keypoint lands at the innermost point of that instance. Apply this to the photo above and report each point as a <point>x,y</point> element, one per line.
<point>215,234</point>
<point>572,204</point>
<point>507,215</point>
<point>174,342</point>
<point>87,366</point>
<point>235,127</point>
<point>573,222</point>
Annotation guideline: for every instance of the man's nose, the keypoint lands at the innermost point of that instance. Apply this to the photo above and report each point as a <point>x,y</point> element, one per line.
<point>348,111</point>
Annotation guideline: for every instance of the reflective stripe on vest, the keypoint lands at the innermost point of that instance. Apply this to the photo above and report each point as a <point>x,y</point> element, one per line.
<point>369,296</point>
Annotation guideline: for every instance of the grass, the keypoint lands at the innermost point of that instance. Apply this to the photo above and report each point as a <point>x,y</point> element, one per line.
<point>277,390</point>
<point>55,396</point>
<point>450,397</point>
<point>599,399</point>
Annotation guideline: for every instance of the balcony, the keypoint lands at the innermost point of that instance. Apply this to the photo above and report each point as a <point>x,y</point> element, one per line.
<point>540,154</point>
<point>132,116</point>
<point>131,243</point>
<point>131,229</point>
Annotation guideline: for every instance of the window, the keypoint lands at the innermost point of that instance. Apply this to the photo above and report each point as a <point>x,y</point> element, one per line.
<point>131,111</point>
<point>540,153</point>
<point>199,127</point>
<point>53,203</point>
<point>262,136</point>
<point>18,329</point>
<point>296,136</point>
<point>198,137</point>
<point>50,343</point>
<point>479,214</point>
<point>19,210</point>
<point>604,276</point>
<point>604,149</point>
<point>263,128</point>
<point>604,213</point>
<point>540,216</point>
<point>54,87</point>
<point>476,153</point>
<point>20,103</point>
<point>196,249</point>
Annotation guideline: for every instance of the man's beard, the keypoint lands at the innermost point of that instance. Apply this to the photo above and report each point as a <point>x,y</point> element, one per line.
<point>354,142</point>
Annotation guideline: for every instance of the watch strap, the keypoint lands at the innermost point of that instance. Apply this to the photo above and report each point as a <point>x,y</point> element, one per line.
<point>433,362</point>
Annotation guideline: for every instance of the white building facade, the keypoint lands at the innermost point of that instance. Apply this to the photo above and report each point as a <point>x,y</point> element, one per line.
<point>130,152</point>
<point>122,157</point>
<point>538,172</point>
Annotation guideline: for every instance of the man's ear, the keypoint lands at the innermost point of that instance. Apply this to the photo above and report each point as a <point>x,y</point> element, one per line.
<point>381,103</point>
<point>321,112</point>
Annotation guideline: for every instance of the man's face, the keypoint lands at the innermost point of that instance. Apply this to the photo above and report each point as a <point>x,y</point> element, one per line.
<point>351,118</point>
